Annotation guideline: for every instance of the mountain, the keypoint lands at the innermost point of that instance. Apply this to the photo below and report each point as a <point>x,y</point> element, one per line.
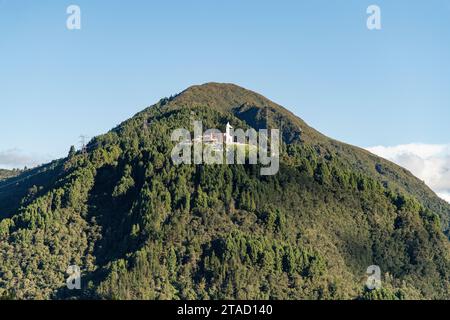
<point>140,227</point>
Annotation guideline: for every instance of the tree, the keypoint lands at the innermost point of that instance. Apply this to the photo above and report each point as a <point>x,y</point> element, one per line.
<point>322,174</point>
<point>72,152</point>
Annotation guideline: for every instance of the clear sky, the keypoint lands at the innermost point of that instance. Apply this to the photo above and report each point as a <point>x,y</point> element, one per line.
<point>316,57</point>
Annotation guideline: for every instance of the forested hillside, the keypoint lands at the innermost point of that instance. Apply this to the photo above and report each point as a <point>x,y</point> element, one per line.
<point>141,227</point>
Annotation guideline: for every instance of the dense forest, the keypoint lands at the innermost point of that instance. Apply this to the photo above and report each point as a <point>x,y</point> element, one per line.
<point>141,227</point>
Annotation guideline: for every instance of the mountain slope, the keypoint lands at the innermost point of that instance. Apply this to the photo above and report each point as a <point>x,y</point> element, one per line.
<point>254,108</point>
<point>141,227</point>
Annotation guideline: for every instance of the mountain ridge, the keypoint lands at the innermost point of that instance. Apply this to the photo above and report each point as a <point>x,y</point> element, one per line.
<point>228,100</point>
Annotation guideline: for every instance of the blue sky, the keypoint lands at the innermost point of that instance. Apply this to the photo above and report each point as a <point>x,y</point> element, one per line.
<point>317,58</point>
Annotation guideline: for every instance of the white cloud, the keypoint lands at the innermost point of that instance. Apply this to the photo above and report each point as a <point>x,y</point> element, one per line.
<point>15,158</point>
<point>445,196</point>
<point>428,162</point>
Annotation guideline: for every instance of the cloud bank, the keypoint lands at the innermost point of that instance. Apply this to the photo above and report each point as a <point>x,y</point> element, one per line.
<point>15,158</point>
<point>428,162</point>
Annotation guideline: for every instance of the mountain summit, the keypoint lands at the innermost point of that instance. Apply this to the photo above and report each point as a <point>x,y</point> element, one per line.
<point>140,227</point>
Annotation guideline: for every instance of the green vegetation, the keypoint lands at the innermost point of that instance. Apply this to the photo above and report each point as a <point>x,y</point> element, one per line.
<point>142,228</point>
